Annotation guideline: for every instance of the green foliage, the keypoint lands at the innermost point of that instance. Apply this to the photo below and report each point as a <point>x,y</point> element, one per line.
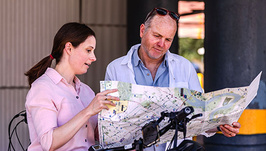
<point>188,48</point>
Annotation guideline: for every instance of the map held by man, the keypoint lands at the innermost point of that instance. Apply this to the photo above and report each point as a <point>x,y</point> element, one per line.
<point>138,105</point>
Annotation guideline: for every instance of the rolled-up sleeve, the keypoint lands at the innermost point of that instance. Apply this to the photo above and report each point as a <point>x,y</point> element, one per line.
<point>43,114</point>
<point>50,103</point>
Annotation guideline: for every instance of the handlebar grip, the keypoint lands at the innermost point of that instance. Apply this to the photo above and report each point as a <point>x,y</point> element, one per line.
<point>182,114</point>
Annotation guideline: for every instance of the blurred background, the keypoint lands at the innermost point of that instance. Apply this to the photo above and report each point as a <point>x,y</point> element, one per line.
<point>225,40</point>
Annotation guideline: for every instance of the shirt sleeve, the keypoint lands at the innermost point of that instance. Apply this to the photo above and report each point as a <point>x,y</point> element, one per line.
<point>108,74</point>
<point>194,83</point>
<point>43,113</point>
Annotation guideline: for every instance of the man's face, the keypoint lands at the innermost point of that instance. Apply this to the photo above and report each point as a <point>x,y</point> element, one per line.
<point>157,39</point>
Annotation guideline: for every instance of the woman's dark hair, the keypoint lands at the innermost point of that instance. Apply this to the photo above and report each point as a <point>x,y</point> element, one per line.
<point>75,33</point>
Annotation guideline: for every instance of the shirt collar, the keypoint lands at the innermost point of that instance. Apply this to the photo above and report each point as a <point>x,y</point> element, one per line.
<point>57,78</point>
<point>165,60</point>
<point>136,60</point>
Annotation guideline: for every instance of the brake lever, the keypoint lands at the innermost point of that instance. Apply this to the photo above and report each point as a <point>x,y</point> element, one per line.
<point>195,116</point>
<point>182,126</point>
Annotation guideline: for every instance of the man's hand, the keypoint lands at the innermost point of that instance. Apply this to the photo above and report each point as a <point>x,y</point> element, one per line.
<point>230,131</point>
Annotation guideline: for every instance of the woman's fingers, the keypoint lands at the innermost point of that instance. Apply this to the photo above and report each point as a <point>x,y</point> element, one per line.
<point>109,97</point>
<point>108,91</point>
<point>102,99</point>
<point>109,103</point>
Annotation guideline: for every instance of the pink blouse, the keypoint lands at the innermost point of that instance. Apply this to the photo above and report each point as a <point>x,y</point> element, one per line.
<point>50,103</point>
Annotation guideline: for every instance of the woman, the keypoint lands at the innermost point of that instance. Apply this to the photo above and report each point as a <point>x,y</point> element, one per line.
<point>61,110</point>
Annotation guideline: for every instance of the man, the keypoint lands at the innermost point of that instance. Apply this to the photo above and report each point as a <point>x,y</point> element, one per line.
<point>151,63</point>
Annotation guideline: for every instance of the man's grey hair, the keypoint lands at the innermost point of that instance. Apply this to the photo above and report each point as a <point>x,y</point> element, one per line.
<point>147,23</point>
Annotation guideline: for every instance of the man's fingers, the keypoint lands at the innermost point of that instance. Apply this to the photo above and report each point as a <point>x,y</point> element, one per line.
<point>229,131</point>
<point>236,125</point>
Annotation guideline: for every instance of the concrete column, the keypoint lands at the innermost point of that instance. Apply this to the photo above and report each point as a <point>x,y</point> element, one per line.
<point>235,52</point>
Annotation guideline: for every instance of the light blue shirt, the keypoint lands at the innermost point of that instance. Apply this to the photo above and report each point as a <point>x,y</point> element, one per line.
<point>143,75</point>
<point>180,73</point>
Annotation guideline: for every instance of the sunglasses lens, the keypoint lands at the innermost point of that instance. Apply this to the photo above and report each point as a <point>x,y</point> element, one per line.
<point>174,15</point>
<point>161,11</point>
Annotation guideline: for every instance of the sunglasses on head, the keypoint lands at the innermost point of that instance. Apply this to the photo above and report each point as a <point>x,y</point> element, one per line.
<point>163,11</point>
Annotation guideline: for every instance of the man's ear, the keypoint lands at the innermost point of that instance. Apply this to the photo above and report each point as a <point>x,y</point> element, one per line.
<point>141,30</point>
<point>68,47</point>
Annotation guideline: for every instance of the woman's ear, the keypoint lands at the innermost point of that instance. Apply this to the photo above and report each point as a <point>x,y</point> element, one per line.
<point>68,47</point>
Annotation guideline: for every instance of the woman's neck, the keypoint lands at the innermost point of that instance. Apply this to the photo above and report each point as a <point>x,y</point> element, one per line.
<point>65,72</point>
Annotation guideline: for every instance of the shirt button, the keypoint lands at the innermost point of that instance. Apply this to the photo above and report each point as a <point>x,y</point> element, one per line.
<point>77,97</point>
<point>148,74</point>
<point>85,140</point>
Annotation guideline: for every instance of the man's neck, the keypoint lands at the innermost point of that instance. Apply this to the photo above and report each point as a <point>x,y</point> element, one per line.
<point>151,64</point>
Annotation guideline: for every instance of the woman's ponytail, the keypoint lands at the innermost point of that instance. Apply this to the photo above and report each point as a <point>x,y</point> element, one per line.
<point>39,69</point>
<point>75,33</point>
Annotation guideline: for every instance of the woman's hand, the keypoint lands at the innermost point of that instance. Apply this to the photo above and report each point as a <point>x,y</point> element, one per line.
<point>101,100</point>
<point>62,134</point>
